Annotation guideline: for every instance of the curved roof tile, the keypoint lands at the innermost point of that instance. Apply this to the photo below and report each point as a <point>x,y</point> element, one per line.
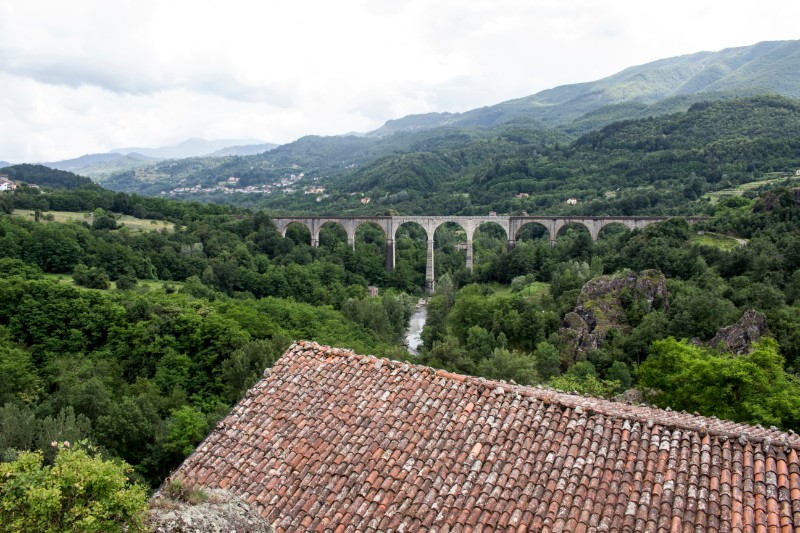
<point>332,440</point>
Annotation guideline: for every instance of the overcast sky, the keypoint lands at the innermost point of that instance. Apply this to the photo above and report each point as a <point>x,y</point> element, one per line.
<point>87,76</point>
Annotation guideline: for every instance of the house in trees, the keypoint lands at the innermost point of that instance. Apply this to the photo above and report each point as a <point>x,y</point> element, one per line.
<point>6,184</point>
<point>330,440</point>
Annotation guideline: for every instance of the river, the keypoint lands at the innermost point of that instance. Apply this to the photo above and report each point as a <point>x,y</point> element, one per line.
<point>413,338</point>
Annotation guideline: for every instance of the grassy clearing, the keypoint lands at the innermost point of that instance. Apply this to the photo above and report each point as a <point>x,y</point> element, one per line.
<point>739,190</point>
<point>142,285</point>
<point>143,224</point>
<point>132,223</point>
<point>537,289</point>
<point>534,291</point>
<point>717,240</point>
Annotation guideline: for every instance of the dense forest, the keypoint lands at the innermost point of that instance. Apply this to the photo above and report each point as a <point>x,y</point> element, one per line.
<point>141,340</point>
<point>136,325</point>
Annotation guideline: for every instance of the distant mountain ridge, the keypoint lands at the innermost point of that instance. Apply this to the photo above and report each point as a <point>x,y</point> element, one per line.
<point>189,148</point>
<point>247,149</point>
<point>675,83</point>
<point>100,166</point>
<point>94,159</point>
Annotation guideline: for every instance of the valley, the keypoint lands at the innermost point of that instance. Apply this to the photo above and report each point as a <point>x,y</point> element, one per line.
<point>635,238</point>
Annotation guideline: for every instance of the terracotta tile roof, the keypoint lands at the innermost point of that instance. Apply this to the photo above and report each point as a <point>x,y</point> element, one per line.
<point>334,441</point>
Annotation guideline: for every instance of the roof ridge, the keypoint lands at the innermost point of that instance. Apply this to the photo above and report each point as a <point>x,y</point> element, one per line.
<point>643,413</point>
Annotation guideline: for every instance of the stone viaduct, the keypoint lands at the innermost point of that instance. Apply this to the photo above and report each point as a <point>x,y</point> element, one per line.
<point>510,224</point>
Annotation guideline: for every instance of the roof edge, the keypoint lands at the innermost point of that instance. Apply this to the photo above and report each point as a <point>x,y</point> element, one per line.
<point>644,414</point>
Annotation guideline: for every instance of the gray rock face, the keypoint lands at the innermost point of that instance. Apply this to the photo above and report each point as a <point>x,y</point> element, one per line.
<point>739,337</point>
<point>222,512</point>
<point>602,305</point>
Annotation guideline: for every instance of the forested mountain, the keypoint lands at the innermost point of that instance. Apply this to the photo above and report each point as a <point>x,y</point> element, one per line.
<point>657,165</point>
<point>423,156</point>
<point>767,67</point>
<point>246,149</point>
<point>734,138</point>
<point>316,157</point>
<point>189,148</point>
<point>99,166</point>
<point>643,166</point>
<point>45,176</point>
<point>86,161</point>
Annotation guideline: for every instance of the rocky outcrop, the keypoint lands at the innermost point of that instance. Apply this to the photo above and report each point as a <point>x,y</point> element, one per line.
<point>603,305</point>
<point>739,337</point>
<point>771,200</point>
<point>219,511</point>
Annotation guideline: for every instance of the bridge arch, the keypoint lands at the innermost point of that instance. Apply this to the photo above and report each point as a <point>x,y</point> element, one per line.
<point>415,231</point>
<point>383,227</point>
<point>366,228</point>
<point>450,233</point>
<point>612,227</point>
<point>283,224</point>
<point>300,227</point>
<point>580,243</point>
<point>317,223</point>
<point>574,225</point>
<point>332,229</point>
<point>532,228</point>
<point>489,237</point>
<point>371,247</point>
<point>486,226</point>
<point>409,224</point>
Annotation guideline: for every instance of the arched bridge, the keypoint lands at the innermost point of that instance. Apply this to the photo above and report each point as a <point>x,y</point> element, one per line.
<point>511,225</point>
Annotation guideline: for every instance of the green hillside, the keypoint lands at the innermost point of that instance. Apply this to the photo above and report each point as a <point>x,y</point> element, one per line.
<point>524,144</point>
<point>662,165</point>
<point>314,156</point>
<point>767,67</point>
<point>654,165</point>
<point>45,176</point>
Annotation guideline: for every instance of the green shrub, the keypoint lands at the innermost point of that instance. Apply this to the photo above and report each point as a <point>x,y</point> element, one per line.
<point>126,283</point>
<point>178,490</point>
<point>93,278</point>
<point>79,492</point>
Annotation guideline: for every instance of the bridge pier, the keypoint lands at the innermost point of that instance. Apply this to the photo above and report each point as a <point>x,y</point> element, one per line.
<point>469,255</point>
<point>390,257</point>
<point>511,244</point>
<point>314,242</point>
<point>430,285</point>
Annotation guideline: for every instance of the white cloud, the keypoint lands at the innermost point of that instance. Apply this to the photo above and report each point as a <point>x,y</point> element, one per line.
<point>82,76</point>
